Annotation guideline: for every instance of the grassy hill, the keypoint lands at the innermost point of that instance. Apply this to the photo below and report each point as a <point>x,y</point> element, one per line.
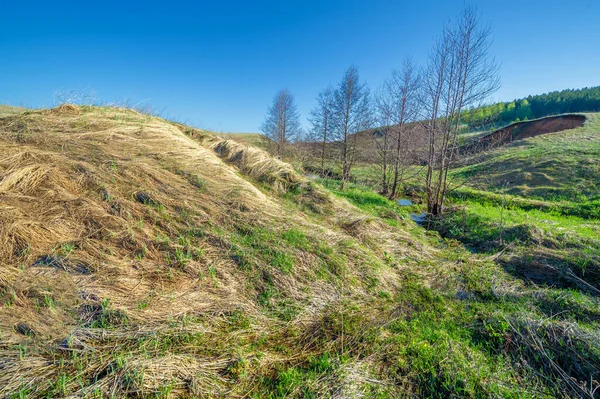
<point>555,166</point>
<point>143,258</point>
<point>541,196</point>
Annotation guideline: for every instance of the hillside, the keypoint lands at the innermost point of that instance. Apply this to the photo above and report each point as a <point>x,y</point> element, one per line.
<point>522,130</point>
<point>254,139</point>
<point>558,165</point>
<point>535,205</point>
<point>143,258</point>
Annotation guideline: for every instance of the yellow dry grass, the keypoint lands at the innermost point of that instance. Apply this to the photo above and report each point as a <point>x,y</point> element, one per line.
<point>109,214</point>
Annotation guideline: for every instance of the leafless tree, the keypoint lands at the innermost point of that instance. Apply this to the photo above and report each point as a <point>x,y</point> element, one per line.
<point>384,105</point>
<point>322,122</point>
<point>351,115</point>
<point>396,106</point>
<point>282,124</point>
<point>461,73</point>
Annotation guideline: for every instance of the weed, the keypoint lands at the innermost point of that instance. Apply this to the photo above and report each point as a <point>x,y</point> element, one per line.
<point>282,261</point>
<point>296,238</point>
<point>67,248</point>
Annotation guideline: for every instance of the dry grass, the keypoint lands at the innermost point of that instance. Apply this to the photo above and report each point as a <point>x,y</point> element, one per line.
<point>6,110</point>
<point>259,165</point>
<point>116,226</point>
<point>251,161</point>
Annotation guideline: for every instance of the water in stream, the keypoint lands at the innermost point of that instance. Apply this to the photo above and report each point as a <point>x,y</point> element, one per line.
<point>418,218</point>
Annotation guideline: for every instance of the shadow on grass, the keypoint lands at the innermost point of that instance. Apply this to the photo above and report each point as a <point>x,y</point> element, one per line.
<point>554,271</point>
<point>527,253</point>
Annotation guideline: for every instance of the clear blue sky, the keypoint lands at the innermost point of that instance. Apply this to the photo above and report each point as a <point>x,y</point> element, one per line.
<point>218,64</point>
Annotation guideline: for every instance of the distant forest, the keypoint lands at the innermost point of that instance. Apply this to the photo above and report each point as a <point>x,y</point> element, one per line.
<point>538,106</point>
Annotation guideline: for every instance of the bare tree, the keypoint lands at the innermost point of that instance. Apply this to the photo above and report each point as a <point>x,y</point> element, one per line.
<point>352,115</point>
<point>397,106</point>
<point>460,74</point>
<point>282,124</point>
<point>322,121</point>
<point>384,105</point>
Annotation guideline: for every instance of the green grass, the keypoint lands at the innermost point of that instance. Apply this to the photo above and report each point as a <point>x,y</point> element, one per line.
<point>370,202</point>
<point>510,211</point>
<point>466,345</point>
<point>542,245</point>
<point>296,238</point>
<point>299,379</point>
<point>540,196</point>
<point>262,244</point>
<point>553,167</point>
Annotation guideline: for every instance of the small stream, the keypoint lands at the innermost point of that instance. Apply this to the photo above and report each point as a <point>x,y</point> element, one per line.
<point>418,218</point>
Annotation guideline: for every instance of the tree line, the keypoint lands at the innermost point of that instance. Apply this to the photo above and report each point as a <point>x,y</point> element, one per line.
<point>428,103</point>
<point>536,106</point>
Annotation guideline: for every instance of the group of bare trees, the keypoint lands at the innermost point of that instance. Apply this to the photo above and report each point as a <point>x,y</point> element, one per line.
<point>396,104</point>
<point>460,74</point>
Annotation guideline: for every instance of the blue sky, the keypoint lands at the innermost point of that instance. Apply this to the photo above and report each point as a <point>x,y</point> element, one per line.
<point>217,64</point>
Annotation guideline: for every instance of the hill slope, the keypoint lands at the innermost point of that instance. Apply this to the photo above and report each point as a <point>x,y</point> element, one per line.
<point>142,258</point>
<point>118,227</point>
<point>254,139</point>
<point>6,110</point>
<point>535,204</point>
<point>552,166</point>
<point>522,130</point>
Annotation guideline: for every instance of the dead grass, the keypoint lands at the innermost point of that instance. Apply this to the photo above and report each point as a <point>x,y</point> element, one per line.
<point>251,161</point>
<point>6,110</point>
<point>114,224</point>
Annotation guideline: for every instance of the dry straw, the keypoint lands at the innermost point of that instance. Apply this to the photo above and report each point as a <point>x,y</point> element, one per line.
<point>116,227</point>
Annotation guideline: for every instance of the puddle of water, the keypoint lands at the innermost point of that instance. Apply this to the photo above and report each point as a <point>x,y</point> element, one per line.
<point>419,218</point>
<point>404,202</point>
